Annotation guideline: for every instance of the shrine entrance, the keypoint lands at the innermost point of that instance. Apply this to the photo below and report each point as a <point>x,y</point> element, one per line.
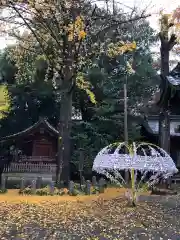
<point>42,148</point>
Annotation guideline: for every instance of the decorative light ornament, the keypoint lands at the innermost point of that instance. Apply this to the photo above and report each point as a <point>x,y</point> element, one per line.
<point>145,158</point>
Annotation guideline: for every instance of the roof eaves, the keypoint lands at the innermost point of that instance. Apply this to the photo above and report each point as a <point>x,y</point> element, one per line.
<point>29,129</point>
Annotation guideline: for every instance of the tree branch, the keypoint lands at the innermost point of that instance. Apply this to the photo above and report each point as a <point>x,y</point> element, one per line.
<point>172,41</point>
<point>46,25</point>
<point>77,53</point>
<point>161,37</point>
<point>30,28</point>
<point>118,23</point>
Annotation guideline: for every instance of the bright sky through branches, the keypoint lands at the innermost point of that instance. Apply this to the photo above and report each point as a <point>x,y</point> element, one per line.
<point>153,7</point>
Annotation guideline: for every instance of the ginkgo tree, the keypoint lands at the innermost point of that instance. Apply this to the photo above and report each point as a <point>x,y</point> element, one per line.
<point>65,33</point>
<point>4,100</point>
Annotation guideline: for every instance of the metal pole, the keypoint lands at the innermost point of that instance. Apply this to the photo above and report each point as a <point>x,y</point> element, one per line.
<point>125,113</point>
<point>125,125</point>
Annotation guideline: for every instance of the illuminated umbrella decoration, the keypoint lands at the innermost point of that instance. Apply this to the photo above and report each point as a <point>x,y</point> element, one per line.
<point>143,157</point>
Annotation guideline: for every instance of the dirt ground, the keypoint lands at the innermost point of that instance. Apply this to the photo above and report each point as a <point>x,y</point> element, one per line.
<point>99,217</point>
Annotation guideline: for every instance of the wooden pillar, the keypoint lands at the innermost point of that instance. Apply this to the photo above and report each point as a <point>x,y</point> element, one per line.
<point>164,130</point>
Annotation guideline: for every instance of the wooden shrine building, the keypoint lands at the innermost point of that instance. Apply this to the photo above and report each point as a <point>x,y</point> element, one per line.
<point>150,127</point>
<point>150,131</point>
<point>33,151</point>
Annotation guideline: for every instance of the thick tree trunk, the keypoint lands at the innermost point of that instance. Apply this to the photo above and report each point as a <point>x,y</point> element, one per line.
<point>64,143</point>
<point>65,118</point>
<point>164,58</point>
<point>164,117</point>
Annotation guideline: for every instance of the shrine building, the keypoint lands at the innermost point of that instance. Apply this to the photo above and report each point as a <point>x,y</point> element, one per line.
<point>34,152</point>
<point>150,125</point>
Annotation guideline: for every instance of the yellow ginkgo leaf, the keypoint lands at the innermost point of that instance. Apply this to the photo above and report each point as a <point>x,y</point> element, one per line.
<point>4,100</point>
<point>82,35</point>
<point>70,37</point>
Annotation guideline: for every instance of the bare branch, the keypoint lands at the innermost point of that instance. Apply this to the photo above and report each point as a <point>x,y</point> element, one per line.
<point>31,29</point>
<point>44,23</point>
<point>172,41</point>
<point>117,23</point>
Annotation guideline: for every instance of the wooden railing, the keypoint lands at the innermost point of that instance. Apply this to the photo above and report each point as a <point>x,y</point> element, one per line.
<point>30,168</point>
<point>35,159</point>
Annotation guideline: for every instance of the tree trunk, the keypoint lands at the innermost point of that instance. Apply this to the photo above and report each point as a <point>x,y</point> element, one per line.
<point>164,117</point>
<point>64,148</point>
<point>164,58</point>
<point>164,130</point>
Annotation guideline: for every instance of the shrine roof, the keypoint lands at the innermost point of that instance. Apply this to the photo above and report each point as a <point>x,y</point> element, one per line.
<point>164,94</point>
<point>174,76</point>
<point>151,124</point>
<point>41,123</point>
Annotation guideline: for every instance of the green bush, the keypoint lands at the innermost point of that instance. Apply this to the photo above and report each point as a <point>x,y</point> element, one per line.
<point>143,187</point>
<point>75,192</point>
<point>43,191</point>
<point>77,186</point>
<point>26,191</point>
<point>83,188</point>
<point>94,190</point>
<point>2,191</point>
<point>59,192</point>
<point>46,191</point>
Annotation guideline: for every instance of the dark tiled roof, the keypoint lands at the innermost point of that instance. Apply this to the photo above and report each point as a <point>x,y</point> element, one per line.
<point>42,122</point>
<point>174,76</point>
<point>173,79</point>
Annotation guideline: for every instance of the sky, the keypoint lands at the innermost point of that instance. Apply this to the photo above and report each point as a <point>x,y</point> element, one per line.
<point>154,7</point>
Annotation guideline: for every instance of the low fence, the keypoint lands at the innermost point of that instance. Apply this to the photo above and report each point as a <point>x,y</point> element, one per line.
<point>30,159</point>
<point>35,159</point>
<point>30,168</point>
